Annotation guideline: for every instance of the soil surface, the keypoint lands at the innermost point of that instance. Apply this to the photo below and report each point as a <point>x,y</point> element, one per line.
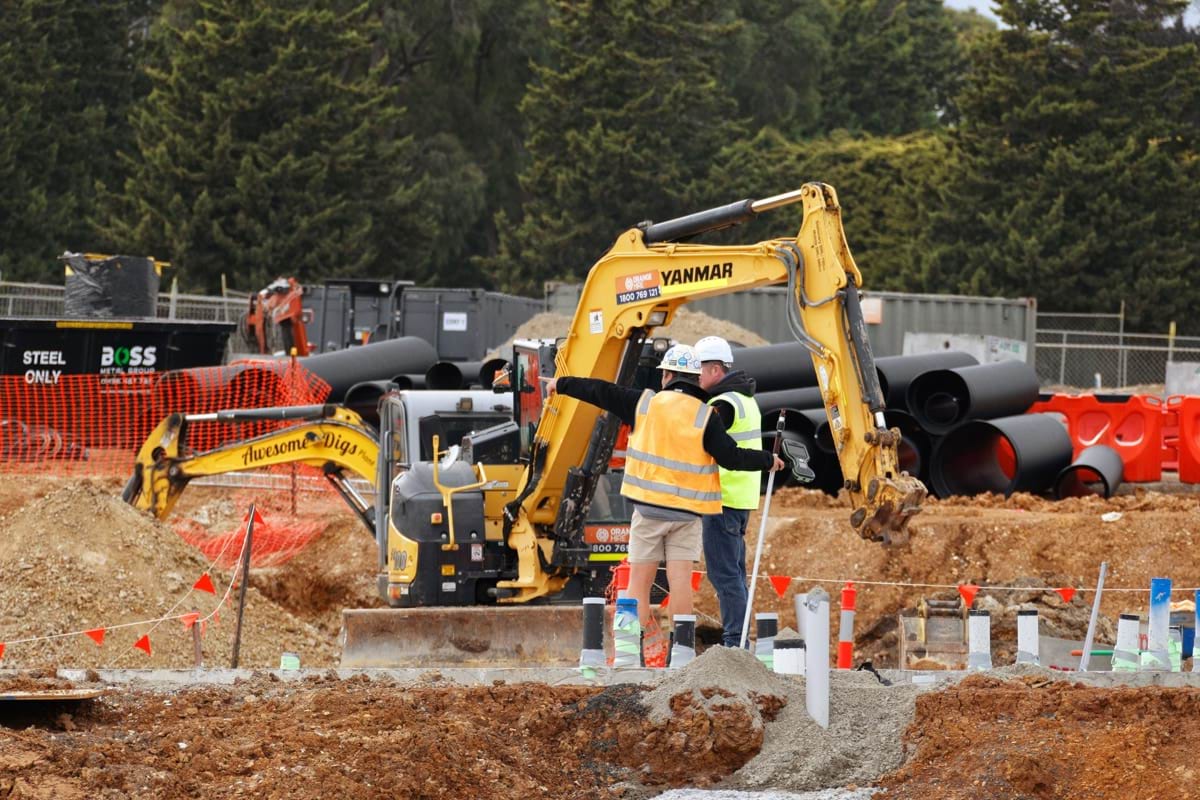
<point>373,739</point>
<point>1035,738</point>
<point>74,557</point>
<point>989,541</point>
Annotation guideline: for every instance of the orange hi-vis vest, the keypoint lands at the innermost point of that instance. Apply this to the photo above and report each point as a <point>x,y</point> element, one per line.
<point>665,462</point>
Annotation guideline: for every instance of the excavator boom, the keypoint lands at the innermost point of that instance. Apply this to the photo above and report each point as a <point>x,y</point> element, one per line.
<point>638,285</point>
<point>325,436</point>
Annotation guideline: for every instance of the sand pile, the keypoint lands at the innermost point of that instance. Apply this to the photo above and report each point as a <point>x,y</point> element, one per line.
<point>79,558</point>
<point>686,327</point>
<point>861,744</point>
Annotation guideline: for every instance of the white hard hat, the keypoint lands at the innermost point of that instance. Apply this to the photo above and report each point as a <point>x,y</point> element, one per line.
<point>680,358</point>
<point>714,348</point>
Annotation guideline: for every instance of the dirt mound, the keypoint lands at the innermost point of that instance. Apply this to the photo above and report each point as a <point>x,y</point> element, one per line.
<point>990,541</point>
<point>79,558</point>
<point>1035,738</point>
<point>687,326</point>
<point>327,738</point>
<point>323,559</point>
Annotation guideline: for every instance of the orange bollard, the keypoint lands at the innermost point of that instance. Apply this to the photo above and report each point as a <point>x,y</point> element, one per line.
<point>846,630</point>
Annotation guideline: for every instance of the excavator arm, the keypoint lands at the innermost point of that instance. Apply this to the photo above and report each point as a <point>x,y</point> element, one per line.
<point>638,285</point>
<point>329,437</point>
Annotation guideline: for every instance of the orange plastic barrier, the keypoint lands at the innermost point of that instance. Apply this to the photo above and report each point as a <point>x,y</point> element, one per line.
<point>1170,450</point>
<point>1132,426</point>
<point>1188,408</point>
<point>102,421</point>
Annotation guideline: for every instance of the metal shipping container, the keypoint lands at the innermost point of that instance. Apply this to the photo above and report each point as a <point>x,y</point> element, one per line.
<point>890,315</point>
<point>463,324</point>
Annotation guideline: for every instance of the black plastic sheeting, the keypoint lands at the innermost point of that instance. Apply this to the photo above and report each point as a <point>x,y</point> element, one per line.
<point>115,286</point>
<point>1097,471</point>
<point>943,398</point>
<point>1022,453</point>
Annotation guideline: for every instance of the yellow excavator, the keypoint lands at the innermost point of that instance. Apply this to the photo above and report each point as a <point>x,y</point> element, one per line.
<point>502,522</point>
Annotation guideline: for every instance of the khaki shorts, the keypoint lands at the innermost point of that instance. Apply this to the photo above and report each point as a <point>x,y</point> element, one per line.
<point>655,540</point>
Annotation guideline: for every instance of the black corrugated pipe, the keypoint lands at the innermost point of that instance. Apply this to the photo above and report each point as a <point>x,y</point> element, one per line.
<point>363,399</point>
<point>444,375</point>
<point>897,372</point>
<point>943,398</point>
<point>913,451</point>
<point>809,397</point>
<point>469,371</point>
<point>405,382</point>
<point>1098,471</point>
<point>1024,453</point>
<point>342,369</point>
<point>800,426</point>
<point>777,366</point>
<point>488,370</point>
<point>915,444</point>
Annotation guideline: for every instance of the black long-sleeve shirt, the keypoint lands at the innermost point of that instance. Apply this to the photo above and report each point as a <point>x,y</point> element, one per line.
<point>623,401</point>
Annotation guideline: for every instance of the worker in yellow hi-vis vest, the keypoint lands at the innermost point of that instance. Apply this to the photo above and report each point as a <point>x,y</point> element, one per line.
<point>676,447</point>
<point>732,398</point>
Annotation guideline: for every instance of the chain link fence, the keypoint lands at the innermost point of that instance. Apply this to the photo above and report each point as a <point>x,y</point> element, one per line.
<point>42,300</point>
<point>1096,351</point>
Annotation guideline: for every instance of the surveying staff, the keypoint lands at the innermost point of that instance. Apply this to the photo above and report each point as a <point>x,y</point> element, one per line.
<point>675,448</point>
<point>725,532</point>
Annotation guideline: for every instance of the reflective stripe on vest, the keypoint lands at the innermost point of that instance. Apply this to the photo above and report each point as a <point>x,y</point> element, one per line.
<point>740,489</point>
<point>665,462</point>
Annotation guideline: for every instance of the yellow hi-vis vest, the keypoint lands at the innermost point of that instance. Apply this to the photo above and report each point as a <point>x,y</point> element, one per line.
<point>666,463</point>
<point>739,489</point>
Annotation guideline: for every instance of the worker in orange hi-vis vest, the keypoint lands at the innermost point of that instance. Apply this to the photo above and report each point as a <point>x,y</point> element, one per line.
<point>675,449</point>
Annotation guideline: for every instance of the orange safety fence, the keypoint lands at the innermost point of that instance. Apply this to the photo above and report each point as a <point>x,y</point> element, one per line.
<point>100,420</point>
<point>274,542</point>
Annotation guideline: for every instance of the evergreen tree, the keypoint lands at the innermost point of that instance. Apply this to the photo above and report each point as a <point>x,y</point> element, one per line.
<point>623,124</point>
<point>775,63</point>
<point>462,69</point>
<point>270,144</point>
<point>66,83</point>
<point>1077,178</point>
<point>893,66</point>
<point>883,185</point>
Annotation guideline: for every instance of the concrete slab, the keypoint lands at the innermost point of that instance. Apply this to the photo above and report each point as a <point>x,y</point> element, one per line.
<point>478,636</point>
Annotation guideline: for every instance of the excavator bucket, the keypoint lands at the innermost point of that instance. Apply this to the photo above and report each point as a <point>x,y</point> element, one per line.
<point>473,636</point>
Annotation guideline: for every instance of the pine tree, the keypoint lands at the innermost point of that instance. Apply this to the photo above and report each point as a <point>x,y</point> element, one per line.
<point>893,66</point>
<point>883,185</point>
<point>1077,179</point>
<point>66,83</point>
<point>624,124</point>
<point>270,144</point>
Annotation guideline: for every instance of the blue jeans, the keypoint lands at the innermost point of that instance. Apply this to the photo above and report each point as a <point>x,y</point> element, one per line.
<point>725,559</point>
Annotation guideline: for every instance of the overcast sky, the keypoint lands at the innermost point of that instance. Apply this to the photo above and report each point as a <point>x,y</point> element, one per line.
<point>985,7</point>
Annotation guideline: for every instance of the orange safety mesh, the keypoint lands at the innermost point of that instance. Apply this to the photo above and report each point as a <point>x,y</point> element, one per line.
<point>274,542</point>
<point>100,421</point>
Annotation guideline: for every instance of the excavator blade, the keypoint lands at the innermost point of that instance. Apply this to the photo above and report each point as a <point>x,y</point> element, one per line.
<point>898,501</point>
<point>458,636</point>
